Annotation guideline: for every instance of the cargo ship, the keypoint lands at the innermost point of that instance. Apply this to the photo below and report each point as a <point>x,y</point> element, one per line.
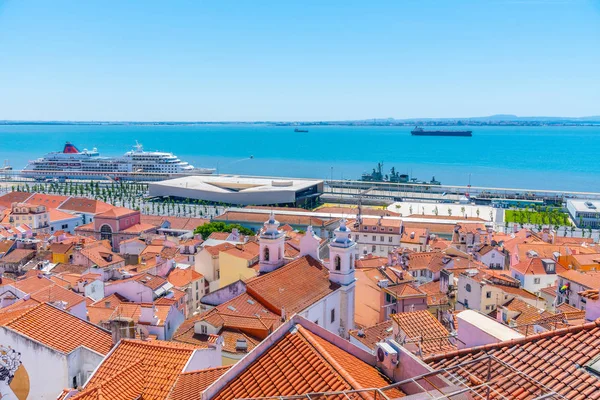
<point>418,131</point>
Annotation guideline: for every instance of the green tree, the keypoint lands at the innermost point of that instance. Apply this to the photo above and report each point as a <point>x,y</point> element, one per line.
<point>219,226</point>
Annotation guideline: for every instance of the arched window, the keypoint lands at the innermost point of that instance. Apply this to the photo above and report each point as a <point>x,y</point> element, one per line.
<point>468,287</point>
<point>351,261</point>
<point>105,232</point>
<point>338,263</point>
<point>266,254</point>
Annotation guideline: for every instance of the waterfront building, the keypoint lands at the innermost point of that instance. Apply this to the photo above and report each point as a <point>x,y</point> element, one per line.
<point>584,213</point>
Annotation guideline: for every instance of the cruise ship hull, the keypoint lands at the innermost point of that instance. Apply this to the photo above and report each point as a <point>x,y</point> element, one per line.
<point>137,165</point>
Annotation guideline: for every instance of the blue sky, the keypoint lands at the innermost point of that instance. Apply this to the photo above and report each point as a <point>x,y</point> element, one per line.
<point>297,60</point>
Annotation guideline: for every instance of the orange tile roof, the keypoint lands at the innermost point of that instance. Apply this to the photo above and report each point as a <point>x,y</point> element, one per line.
<point>160,365</point>
<point>405,290</point>
<point>48,200</point>
<point>57,215</point>
<point>294,286</point>
<point>57,293</point>
<point>434,294</point>
<point>33,284</point>
<point>535,266</point>
<point>240,216</point>
<point>372,335</point>
<point>18,255</point>
<point>215,250</point>
<point>246,251</point>
<point>302,362</point>
<point>100,314</point>
<point>138,228</point>
<point>177,223</point>
<point>371,261</point>
<point>13,197</point>
<point>117,212</point>
<point>554,359</point>
<point>183,277</point>
<point>99,253</point>
<point>57,329</point>
<point>85,205</point>
<point>190,385</point>
<point>424,331</point>
<point>589,279</point>
<point>60,248</point>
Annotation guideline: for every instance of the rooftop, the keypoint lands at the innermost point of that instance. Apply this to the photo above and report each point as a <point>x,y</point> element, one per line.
<point>424,331</point>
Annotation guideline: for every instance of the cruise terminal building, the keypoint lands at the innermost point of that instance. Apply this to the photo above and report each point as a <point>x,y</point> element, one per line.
<point>241,190</point>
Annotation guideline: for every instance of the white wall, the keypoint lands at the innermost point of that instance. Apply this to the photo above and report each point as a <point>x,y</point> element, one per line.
<point>46,368</point>
<point>94,290</point>
<point>204,358</point>
<point>79,310</point>
<point>70,223</point>
<point>81,363</point>
<point>321,311</point>
<point>131,290</point>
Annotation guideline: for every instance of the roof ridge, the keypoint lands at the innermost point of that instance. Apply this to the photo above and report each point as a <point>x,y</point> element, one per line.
<point>340,371</point>
<point>513,342</point>
<point>205,369</point>
<point>164,344</point>
<point>30,309</point>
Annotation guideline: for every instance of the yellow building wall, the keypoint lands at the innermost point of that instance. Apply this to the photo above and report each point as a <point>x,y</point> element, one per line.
<point>60,258</point>
<point>233,269</point>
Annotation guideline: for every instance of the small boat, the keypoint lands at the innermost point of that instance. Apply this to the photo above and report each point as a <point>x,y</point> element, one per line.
<point>297,130</point>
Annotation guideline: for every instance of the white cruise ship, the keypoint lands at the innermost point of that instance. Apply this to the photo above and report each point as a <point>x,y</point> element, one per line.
<point>136,164</point>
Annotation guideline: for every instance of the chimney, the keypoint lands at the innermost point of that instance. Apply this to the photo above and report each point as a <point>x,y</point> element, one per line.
<point>283,314</point>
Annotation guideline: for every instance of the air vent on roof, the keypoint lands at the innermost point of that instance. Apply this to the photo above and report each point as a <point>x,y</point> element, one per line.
<point>250,301</point>
<point>590,205</point>
<point>241,345</point>
<point>232,308</point>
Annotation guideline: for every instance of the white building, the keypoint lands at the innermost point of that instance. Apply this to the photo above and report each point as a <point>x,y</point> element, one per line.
<point>536,273</point>
<point>37,361</point>
<point>585,213</point>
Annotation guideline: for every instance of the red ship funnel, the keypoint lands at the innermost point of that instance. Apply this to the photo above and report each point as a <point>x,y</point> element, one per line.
<point>70,149</point>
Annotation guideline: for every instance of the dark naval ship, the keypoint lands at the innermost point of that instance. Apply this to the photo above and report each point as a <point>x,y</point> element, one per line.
<point>418,131</point>
<point>393,177</point>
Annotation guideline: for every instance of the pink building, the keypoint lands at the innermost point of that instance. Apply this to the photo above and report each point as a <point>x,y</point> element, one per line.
<point>116,225</point>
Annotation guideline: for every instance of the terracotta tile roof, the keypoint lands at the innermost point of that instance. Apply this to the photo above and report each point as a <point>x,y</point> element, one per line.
<point>58,329</point>
<point>139,228</point>
<point>190,385</point>
<point>514,291</point>
<point>315,364</point>
<point>219,235</point>
<point>241,317</point>
<point>71,268</point>
<point>434,294</point>
<point>57,293</point>
<point>160,364</point>
<point>373,334</point>
<point>588,294</point>
<point>17,256</point>
<point>101,255</point>
<point>60,248</point>
<point>240,216</point>
<point>57,215</point>
<point>6,245</point>
<point>371,261</point>
<point>414,236</point>
<point>535,266</point>
<point>215,250</point>
<point>48,200</point>
<point>13,197</point>
<point>177,223</point>
<point>556,359</point>
<point>550,290</point>
<point>526,314</point>
<point>246,251</point>
<point>33,284</point>
<point>294,286</point>
<point>117,212</point>
<point>183,277</point>
<point>100,314</point>
<point>85,205</point>
<point>423,330</point>
<point>405,290</point>
<point>565,308</point>
<point>590,279</point>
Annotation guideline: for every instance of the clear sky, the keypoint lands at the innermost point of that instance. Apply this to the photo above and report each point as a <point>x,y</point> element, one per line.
<point>297,60</point>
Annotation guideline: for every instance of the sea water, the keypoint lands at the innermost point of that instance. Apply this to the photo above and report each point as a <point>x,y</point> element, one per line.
<point>561,158</point>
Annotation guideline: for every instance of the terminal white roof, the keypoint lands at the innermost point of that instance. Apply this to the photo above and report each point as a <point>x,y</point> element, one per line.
<point>238,184</point>
<point>582,205</point>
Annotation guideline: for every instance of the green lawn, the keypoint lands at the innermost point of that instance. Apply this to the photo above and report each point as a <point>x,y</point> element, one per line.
<point>537,218</point>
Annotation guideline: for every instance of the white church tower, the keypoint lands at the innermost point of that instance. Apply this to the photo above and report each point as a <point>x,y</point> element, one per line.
<point>272,246</point>
<point>342,250</point>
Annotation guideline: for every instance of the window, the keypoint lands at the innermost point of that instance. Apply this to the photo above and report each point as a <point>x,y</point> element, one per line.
<point>488,295</point>
<point>374,228</point>
<point>388,298</point>
<point>196,296</point>
<point>105,232</point>
<point>382,229</point>
<point>356,237</point>
<point>536,281</point>
<point>381,239</point>
<point>487,307</point>
<point>266,254</point>
<point>374,248</point>
<point>374,238</point>
<point>338,263</point>
<point>169,325</point>
<point>203,329</point>
<point>468,287</point>
<point>493,255</point>
<point>391,230</point>
<point>332,315</point>
<point>365,228</point>
<point>75,382</point>
<point>196,285</point>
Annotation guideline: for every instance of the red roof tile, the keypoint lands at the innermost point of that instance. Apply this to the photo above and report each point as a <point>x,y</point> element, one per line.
<point>373,334</point>
<point>424,331</point>
<point>294,286</point>
<point>190,385</point>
